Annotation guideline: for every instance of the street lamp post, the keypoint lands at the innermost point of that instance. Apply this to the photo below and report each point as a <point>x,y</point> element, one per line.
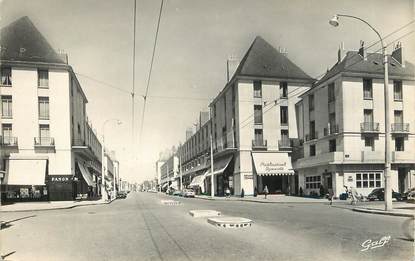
<point>103,168</point>
<point>387,174</point>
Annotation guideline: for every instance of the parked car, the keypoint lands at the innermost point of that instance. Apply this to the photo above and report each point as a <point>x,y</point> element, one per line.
<point>121,194</point>
<point>188,193</point>
<point>409,194</point>
<point>379,194</point>
<point>177,193</point>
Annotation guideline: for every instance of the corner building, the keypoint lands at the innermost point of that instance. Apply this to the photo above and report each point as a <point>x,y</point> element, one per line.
<point>253,126</point>
<point>343,126</point>
<point>48,148</point>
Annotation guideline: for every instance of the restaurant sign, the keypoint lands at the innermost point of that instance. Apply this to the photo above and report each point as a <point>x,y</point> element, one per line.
<point>273,167</point>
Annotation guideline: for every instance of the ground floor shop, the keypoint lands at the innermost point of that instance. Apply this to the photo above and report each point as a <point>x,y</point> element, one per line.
<point>364,177</point>
<point>30,180</point>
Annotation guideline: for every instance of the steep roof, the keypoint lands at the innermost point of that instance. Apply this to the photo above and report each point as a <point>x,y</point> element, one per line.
<point>354,63</point>
<point>263,60</point>
<point>21,41</point>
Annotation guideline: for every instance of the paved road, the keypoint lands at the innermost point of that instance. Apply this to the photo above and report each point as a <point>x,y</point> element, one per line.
<point>141,228</point>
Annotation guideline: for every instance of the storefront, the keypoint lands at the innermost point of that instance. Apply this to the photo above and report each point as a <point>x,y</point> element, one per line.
<point>25,180</point>
<point>273,170</point>
<point>83,183</point>
<point>223,175</point>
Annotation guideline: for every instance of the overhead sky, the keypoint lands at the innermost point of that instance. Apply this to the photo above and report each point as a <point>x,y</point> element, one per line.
<point>195,39</point>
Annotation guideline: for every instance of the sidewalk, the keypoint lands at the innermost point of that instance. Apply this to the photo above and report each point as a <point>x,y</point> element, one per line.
<point>50,205</point>
<point>282,199</point>
<point>400,209</point>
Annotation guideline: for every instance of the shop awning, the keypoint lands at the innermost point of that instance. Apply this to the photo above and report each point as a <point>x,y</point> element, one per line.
<point>270,164</point>
<point>173,185</point>
<point>198,181</point>
<point>219,166</point>
<point>165,185</point>
<point>86,175</point>
<point>26,172</point>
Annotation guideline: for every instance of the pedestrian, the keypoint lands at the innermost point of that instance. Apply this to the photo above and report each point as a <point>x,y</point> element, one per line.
<point>331,196</point>
<point>354,195</point>
<point>266,191</point>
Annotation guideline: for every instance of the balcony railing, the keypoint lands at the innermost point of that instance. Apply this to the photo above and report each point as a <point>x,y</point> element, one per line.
<point>44,141</point>
<point>284,143</point>
<point>400,127</point>
<point>369,127</point>
<point>311,136</point>
<point>78,142</point>
<point>8,141</point>
<point>259,144</point>
<point>331,129</point>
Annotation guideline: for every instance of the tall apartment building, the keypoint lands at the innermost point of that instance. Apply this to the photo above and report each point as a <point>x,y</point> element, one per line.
<point>169,171</point>
<point>342,122</point>
<point>49,150</point>
<point>252,122</point>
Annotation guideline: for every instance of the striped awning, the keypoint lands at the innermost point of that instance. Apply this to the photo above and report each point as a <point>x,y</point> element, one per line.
<point>198,181</point>
<point>86,175</point>
<point>219,166</point>
<point>26,172</point>
<point>272,163</point>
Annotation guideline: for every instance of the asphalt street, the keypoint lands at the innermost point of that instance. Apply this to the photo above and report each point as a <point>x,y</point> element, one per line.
<point>141,228</point>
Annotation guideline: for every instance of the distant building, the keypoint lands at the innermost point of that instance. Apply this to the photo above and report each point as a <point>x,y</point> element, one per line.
<point>342,124</point>
<point>49,150</point>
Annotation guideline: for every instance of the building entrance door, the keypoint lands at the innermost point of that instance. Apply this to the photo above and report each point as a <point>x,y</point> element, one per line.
<point>402,174</point>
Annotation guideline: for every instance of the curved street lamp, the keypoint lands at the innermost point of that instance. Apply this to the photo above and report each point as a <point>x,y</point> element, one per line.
<point>388,189</point>
<point>103,169</point>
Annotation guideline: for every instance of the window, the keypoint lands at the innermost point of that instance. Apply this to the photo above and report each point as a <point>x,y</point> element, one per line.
<point>399,144</point>
<point>311,102</point>
<point>397,90</point>
<point>43,78</point>
<point>332,145</point>
<point>368,180</point>
<point>284,135</point>
<point>312,150</point>
<point>257,114</point>
<point>284,115</point>
<point>370,143</point>
<point>44,133</point>
<point>330,92</point>
<point>312,182</point>
<point>367,89</point>
<point>258,136</point>
<point>257,89</point>
<point>283,90</point>
<point>368,115</point>
<point>6,76</point>
<point>6,107</point>
<point>398,117</point>
<point>6,133</point>
<point>44,108</point>
<point>312,130</point>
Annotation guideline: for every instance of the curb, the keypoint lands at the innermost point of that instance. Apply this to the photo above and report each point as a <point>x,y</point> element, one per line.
<point>264,202</point>
<point>58,208</point>
<point>381,212</point>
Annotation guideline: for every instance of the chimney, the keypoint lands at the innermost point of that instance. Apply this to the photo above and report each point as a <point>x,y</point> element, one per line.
<point>340,52</point>
<point>362,50</point>
<point>231,65</point>
<point>397,54</point>
<point>63,55</point>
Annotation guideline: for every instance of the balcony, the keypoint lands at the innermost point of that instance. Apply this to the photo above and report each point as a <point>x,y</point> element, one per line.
<point>311,136</point>
<point>8,141</point>
<point>369,127</point>
<point>400,127</point>
<point>78,142</point>
<point>44,142</point>
<point>373,156</point>
<point>331,129</point>
<point>403,156</point>
<point>259,144</point>
<point>284,144</point>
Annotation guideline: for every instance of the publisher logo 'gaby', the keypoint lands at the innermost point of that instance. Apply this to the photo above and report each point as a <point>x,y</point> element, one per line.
<point>371,244</point>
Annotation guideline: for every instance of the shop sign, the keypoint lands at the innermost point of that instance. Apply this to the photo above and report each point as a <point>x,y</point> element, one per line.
<point>249,176</point>
<point>350,179</point>
<point>273,167</point>
<point>60,178</point>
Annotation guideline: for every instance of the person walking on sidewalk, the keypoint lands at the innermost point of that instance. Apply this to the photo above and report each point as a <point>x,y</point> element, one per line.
<point>227,192</point>
<point>266,191</point>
